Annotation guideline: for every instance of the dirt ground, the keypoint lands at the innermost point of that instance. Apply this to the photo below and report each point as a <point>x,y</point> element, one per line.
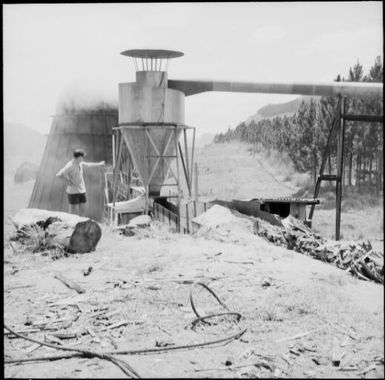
<point>147,279</point>
<point>137,297</point>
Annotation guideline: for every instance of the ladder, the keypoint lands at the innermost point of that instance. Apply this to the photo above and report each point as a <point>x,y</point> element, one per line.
<point>338,126</point>
<point>326,177</point>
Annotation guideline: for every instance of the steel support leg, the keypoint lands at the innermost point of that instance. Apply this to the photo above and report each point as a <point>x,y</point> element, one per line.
<point>340,168</point>
<point>178,178</point>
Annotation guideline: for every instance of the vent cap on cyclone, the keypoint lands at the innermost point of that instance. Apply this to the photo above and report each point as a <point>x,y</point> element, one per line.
<point>152,53</point>
<point>151,59</point>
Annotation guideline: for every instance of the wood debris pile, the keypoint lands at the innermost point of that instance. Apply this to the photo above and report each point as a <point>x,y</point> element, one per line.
<point>35,239</point>
<point>42,230</point>
<point>358,258</point>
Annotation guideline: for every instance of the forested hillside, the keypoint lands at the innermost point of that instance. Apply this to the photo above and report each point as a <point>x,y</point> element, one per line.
<point>281,109</point>
<point>304,135</point>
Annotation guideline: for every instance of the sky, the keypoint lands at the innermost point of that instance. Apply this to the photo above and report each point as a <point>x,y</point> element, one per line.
<point>53,50</point>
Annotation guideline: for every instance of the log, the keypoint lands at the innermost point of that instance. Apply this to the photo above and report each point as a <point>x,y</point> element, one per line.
<point>69,283</point>
<point>73,233</point>
<point>297,336</point>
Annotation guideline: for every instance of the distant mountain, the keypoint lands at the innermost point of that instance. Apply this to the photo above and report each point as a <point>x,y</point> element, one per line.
<point>205,139</point>
<point>273,110</point>
<point>22,143</point>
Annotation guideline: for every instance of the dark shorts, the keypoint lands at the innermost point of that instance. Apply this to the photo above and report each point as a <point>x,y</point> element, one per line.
<point>75,199</point>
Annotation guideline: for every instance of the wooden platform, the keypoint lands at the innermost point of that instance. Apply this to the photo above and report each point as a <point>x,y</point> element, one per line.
<point>180,220</point>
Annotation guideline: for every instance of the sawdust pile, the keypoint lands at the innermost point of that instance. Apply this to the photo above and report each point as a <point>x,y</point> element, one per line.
<point>358,258</point>
<point>225,225</point>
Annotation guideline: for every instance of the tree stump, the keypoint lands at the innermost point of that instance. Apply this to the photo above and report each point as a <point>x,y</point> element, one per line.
<point>72,232</point>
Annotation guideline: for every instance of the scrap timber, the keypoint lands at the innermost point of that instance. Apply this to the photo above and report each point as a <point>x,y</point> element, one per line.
<point>358,258</point>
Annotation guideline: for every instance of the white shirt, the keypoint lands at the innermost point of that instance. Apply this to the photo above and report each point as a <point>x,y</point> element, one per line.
<point>73,174</point>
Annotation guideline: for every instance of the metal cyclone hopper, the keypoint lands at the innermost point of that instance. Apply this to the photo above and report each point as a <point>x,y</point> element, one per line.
<point>150,116</point>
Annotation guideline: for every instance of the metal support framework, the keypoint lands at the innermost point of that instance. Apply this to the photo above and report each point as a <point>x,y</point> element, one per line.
<point>177,179</point>
<point>184,169</point>
<point>196,174</point>
<point>122,163</point>
<point>187,162</point>
<point>116,168</point>
<point>338,126</point>
<point>181,155</point>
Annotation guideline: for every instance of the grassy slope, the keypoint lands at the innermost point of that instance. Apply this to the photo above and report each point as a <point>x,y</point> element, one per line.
<point>236,171</point>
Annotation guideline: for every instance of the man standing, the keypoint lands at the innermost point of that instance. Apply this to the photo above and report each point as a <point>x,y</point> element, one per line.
<point>72,174</point>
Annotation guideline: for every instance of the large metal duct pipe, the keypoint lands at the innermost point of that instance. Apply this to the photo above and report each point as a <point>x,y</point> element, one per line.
<point>345,89</point>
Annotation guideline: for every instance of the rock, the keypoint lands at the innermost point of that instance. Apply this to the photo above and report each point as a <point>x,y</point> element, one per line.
<point>87,271</point>
<point>336,355</point>
<point>266,282</point>
<point>162,343</point>
<point>28,321</point>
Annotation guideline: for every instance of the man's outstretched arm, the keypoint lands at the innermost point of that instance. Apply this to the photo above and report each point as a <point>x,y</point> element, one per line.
<point>94,164</point>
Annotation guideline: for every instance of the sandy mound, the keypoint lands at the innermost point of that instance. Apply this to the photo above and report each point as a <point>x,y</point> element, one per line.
<point>222,224</point>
